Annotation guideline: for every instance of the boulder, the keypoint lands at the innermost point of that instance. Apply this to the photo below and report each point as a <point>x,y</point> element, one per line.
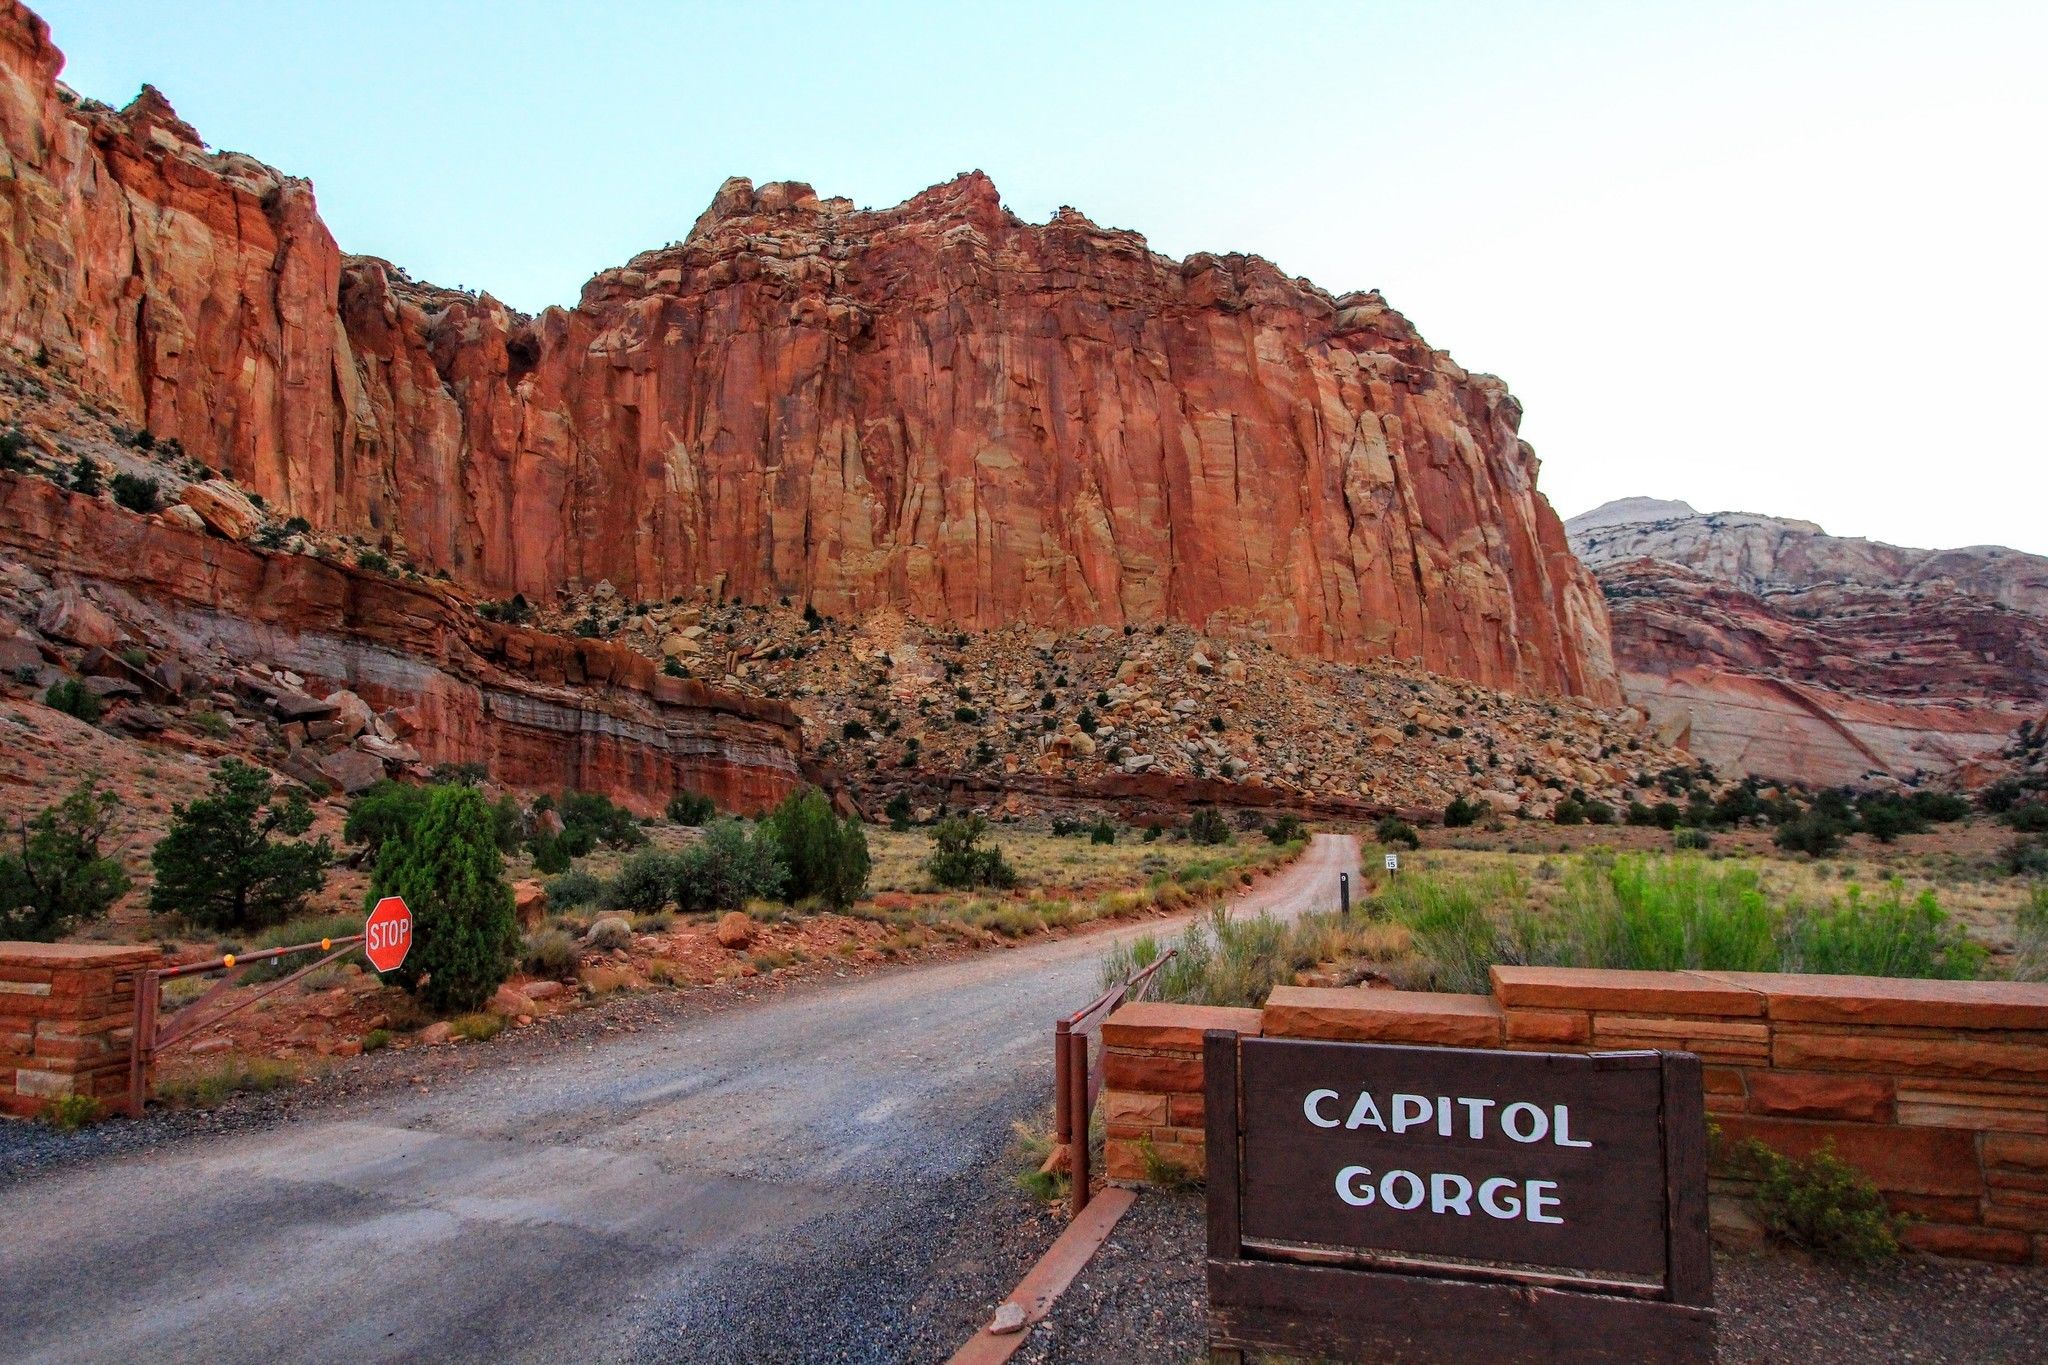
<point>352,715</point>
<point>436,1033</point>
<point>183,517</point>
<point>19,652</point>
<point>388,750</point>
<point>511,1002</point>
<point>224,508</point>
<point>543,990</point>
<point>735,930</point>
<point>291,706</point>
<point>112,687</point>
<point>530,903</point>
<point>67,615</point>
<point>353,770</point>
<point>140,720</point>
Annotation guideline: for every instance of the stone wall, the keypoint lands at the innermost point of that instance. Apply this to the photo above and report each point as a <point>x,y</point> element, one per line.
<point>1936,1090</point>
<point>67,1022</point>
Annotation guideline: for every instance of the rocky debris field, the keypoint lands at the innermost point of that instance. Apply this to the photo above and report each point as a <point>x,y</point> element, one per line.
<point>899,705</point>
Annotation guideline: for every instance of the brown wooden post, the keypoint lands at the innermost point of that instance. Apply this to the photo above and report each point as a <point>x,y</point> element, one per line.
<point>1220,1120</point>
<point>1689,1272</point>
<point>142,1047</point>
<point>1077,1113</point>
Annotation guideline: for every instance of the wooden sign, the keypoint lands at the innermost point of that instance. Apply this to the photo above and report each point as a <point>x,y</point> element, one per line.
<point>1413,1203</point>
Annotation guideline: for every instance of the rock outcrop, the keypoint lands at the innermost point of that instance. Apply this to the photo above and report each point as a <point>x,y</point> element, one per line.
<point>936,406</point>
<point>1776,649</point>
<point>540,711</point>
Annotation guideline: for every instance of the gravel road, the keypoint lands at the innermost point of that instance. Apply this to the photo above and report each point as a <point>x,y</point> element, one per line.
<point>778,1181</point>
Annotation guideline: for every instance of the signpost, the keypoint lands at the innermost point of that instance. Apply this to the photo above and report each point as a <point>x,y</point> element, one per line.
<point>1423,1203</point>
<point>1393,862</point>
<point>387,934</point>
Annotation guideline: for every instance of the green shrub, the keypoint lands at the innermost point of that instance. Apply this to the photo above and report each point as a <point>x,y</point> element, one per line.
<point>373,561</point>
<point>1102,832</point>
<point>1817,834</point>
<point>1207,826</point>
<point>959,860</point>
<point>899,811</point>
<point>211,723</point>
<point>590,819</point>
<point>76,700</point>
<point>727,868</point>
<point>1941,808</point>
<point>550,853</point>
<point>1661,914</point>
<point>448,868</point>
<point>134,493</point>
<point>551,955</point>
<point>1885,818</point>
<point>376,1040</point>
<point>572,890</point>
<point>223,864</point>
<point>2025,857</point>
<point>1570,811</point>
<point>826,857</point>
<point>1885,935</point>
<point>14,449</point>
<point>1820,1203</point>
<point>1286,829</point>
<point>68,1113</point>
<point>478,1027</point>
<point>1696,839</point>
<point>2030,949</point>
<point>1462,813</point>
<point>55,877</point>
<point>2031,818</point>
<point>691,808</point>
<point>1392,829</point>
<point>644,883</point>
<point>85,477</point>
<point>1453,924</point>
<point>1152,833</point>
<point>383,812</point>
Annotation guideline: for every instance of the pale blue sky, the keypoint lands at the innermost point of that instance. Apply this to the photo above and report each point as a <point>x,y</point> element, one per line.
<point>1778,257</point>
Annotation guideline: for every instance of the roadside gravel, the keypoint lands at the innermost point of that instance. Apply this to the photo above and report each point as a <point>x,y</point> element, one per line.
<point>1142,1299</point>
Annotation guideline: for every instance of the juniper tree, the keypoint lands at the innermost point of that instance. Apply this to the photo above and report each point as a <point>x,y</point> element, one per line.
<point>229,861</point>
<point>447,866</point>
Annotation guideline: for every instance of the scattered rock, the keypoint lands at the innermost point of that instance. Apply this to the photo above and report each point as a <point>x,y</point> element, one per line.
<point>440,1032</point>
<point>352,770</point>
<point>735,930</point>
<point>67,615</point>
<point>224,508</point>
<point>530,903</point>
<point>1009,1318</point>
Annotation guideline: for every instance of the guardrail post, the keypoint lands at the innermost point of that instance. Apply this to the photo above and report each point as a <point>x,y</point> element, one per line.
<point>1062,1123</point>
<point>142,1047</point>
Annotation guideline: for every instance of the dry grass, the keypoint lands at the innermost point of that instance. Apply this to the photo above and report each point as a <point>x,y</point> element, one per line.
<point>1045,862</point>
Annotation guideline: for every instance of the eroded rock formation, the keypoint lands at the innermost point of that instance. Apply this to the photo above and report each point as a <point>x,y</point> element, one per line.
<point>935,406</point>
<point>540,711</point>
<point>1780,650</point>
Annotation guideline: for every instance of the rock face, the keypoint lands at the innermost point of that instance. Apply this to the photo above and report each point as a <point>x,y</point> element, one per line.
<point>1780,650</point>
<point>540,711</point>
<point>935,406</point>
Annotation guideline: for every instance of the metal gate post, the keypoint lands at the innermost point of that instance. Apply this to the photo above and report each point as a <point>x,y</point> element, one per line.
<point>1344,891</point>
<point>1062,1123</point>
<point>1077,1118</point>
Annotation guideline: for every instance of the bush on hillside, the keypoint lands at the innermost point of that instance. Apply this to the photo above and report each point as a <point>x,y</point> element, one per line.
<point>645,882</point>
<point>727,868</point>
<point>76,700</point>
<point>1462,813</point>
<point>691,808</point>
<point>959,860</point>
<point>1392,829</point>
<point>827,857</point>
<point>229,859</point>
<point>55,877</point>
<point>1207,826</point>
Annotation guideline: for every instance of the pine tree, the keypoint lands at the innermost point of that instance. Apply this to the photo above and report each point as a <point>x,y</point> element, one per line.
<point>220,865</point>
<point>59,878</point>
<point>465,932</point>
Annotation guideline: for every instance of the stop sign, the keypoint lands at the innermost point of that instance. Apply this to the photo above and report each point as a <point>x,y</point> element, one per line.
<point>387,934</point>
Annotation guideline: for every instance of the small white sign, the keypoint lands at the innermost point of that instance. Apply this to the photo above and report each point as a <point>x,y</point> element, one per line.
<point>1393,862</point>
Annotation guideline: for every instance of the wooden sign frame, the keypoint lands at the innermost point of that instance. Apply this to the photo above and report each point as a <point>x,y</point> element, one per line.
<point>1333,1304</point>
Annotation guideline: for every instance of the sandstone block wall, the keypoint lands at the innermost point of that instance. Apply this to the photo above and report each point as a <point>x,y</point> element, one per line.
<point>67,1022</point>
<point>1936,1090</point>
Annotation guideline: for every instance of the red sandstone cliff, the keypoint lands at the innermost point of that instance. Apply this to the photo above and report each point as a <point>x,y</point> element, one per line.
<point>936,406</point>
<point>1780,650</point>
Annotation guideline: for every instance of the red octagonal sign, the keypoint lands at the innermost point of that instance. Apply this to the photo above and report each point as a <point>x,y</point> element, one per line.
<point>387,934</point>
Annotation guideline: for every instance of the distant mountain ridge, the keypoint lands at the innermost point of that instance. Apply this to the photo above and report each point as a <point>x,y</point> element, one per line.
<point>1774,648</point>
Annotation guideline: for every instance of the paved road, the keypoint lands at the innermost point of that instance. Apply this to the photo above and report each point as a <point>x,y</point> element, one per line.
<point>755,1184</point>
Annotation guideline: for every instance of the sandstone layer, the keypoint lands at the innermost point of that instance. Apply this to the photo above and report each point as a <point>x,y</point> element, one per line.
<point>936,407</point>
<point>1776,649</point>
<point>540,711</point>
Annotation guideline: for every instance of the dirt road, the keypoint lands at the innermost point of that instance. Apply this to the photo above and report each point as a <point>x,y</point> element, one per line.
<point>764,1183</point>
